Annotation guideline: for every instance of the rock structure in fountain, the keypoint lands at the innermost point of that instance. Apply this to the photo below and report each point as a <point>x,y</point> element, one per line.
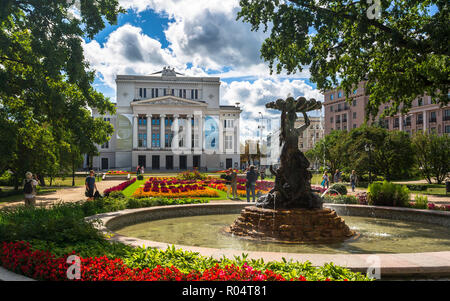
<point>291,211</point>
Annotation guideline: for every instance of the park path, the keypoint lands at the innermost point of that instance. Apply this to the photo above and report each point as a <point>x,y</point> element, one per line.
<point>72,194</point>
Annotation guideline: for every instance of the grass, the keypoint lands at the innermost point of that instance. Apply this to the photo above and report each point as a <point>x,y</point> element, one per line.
<point>438,191</point>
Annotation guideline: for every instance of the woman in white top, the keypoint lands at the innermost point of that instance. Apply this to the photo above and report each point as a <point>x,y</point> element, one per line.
<point>29,189</point>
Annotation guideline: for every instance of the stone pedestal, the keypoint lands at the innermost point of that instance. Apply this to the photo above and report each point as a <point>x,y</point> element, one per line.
<point>293,225</point>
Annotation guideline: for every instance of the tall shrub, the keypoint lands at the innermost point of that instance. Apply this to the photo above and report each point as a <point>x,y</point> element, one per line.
<point>388,194</point>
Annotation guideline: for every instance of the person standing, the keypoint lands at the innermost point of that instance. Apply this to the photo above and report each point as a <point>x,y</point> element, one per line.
<point>325,180</point>
<point>142,170</point>
<point>227,179</point>
<point>353,180</point>
<point>90,185</point>
<point>29,189</point>
<point>252,177</point>
<point>138,170</point>
<point>234,184</point>
<point>337,176</point>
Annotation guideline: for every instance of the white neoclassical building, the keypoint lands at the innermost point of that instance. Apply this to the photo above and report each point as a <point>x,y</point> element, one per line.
<point>167,121</point>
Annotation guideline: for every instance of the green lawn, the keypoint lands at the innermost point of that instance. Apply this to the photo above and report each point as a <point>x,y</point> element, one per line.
<point>438,191</point>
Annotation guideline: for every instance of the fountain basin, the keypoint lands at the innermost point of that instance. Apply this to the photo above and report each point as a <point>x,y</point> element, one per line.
<point>420,264</point>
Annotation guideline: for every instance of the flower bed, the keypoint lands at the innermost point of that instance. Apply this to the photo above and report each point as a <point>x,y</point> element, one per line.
<point>20,258</point>
<point>173,187</point>
<point>117,172</point>
<point>262,187</point>
<point>119,187</point>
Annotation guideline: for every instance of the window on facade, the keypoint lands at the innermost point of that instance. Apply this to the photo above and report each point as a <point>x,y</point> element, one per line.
<point>168,121</point>
<point>447,115</point>
<point>331,96</point>
<point>140,93</point>
<point>156,140</point>
<point>354,102</point>
<point>105,145</point>
<point>344,118</point>
<point>355,91</point>
<point>432,116</point>
<point>339,94</point>
<point>155,121</point>
<point>447,129</point>
<point>420,119</point>
<point>107,119</point>
<point>354,126</point>
<point>142,120</point>
<point>228,142</point>
<point>331,119</point>
<point>169,139</point>
<point>354,115</point>
<point>420,102</point>
<point>142,140</point>
<point>338,118</point>
<point>339,107</point>
<point>331,108</point>
<point>228,123</point>
<point>396,123</point>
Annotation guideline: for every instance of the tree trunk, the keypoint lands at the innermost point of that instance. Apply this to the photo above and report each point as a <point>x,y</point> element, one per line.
<point>73,171</point>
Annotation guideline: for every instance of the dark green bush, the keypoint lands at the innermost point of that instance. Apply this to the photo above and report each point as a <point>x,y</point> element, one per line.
<point>388,194</point>
<point>140,177</point>
<point>340,199</point>
<point>341,188</point>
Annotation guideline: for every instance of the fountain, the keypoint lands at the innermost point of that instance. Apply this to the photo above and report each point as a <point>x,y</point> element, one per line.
<point>291,211</point>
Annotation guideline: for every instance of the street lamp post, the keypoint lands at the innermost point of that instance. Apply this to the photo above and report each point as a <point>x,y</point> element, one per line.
<point>369,148</point>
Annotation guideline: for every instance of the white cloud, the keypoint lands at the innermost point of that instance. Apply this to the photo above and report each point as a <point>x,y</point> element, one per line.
<point>253,97</point>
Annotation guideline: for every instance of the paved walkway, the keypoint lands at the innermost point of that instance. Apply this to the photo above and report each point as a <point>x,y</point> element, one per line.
<point>72,194</point>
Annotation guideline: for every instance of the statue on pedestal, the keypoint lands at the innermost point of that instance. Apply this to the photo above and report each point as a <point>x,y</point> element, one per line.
<point>292,179</point>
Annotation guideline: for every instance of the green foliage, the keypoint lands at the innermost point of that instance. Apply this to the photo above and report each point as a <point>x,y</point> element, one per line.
<point>187,261</point>
<point>401,54</point>
<point>46,86</point>
<point>340,199</point>
<point>388,194</point>
<point>191,175</point>
<point>433,155</point>
<point>341,188</point>
<point>421,202</point>
<point>62,229</point>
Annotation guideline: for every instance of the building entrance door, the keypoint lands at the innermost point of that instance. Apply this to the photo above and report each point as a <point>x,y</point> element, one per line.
<point>169,162</point>
<point>105,163</point>
<point>229,163</point>
<point>155,162</point>
<point>197,161</point>
<point>183,162</point>
<point>142,161</point>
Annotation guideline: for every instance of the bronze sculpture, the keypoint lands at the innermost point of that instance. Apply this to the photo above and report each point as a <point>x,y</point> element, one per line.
<point>292,179</point>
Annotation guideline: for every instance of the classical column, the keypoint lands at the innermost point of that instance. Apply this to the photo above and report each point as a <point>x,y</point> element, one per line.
<point>149,131</point>
<point>162,134</point>
<point>175,144</point>
<point>400,119</point>
<point>221,136</point>
<point>189,132</point>
<point>135,131</point>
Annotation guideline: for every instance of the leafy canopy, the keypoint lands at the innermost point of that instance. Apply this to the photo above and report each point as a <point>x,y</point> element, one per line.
<point>402,53</point>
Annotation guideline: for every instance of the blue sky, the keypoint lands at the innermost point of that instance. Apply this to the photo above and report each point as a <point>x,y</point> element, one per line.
<point>197,38</point>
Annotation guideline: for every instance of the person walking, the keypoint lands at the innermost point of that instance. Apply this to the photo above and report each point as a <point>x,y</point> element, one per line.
<point>353,180</point>
<point>90,185</point>
<point>234,184</point>
<point>337,176</point>
<point>142,170</point>
<point>252,177</point>
<point>325,180</point>
<point>29,189</point>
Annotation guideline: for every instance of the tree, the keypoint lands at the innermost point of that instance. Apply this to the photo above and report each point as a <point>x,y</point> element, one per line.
<point>46,85</point>
<point>402,52</point>
<point>391,154</point>
<point>433,155</point>
<point>333,149</point>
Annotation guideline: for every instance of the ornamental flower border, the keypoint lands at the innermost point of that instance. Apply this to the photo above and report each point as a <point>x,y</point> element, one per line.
<point>119,187</point>
<point>20,258</point>
<point>174,187</point>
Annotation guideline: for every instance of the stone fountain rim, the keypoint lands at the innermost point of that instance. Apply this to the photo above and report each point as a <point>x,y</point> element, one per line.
<point>426,264</point>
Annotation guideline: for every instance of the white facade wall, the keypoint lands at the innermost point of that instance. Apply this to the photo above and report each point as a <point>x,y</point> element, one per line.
<point>132,102</point>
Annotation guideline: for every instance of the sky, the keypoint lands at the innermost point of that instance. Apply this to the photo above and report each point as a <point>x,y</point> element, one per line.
<point>197,38</point>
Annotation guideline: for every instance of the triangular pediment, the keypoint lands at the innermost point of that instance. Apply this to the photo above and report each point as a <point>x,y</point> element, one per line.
<point>168,101</point>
